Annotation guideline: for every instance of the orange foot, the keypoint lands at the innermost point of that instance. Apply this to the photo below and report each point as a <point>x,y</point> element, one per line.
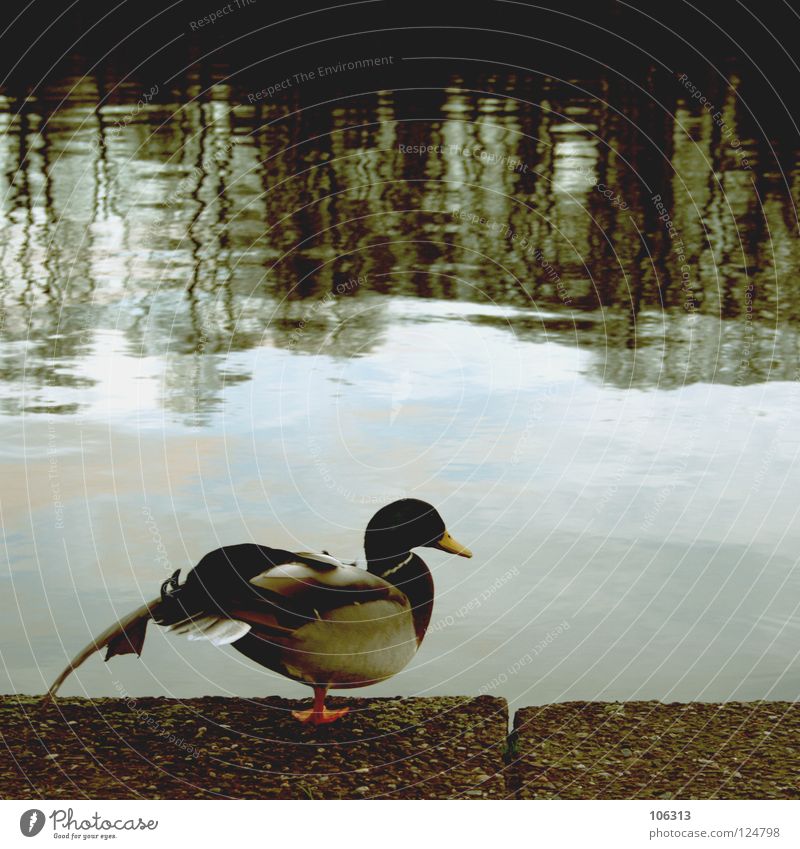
<point>319,717</point>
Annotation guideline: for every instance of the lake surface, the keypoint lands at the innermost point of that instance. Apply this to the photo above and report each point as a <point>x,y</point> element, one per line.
<point>225,322</point>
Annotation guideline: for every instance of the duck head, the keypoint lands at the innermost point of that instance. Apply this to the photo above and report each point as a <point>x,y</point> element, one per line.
<point>402,525</point>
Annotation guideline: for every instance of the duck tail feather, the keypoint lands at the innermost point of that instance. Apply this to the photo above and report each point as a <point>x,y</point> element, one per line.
<point>124,637</point>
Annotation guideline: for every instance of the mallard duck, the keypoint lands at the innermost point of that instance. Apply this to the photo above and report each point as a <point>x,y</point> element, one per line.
<point>308,616</point>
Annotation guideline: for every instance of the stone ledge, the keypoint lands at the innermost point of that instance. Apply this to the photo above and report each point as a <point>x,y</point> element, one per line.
<point>436,748</point>
<point>651,750</point>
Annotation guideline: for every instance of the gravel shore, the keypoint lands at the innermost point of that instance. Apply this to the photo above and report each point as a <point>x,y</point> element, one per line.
<point>154,748</point>
<point>437,748</point>
<point>651,750</point>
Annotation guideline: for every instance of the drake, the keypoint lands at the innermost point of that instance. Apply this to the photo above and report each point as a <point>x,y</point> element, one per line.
<point>318,621</point>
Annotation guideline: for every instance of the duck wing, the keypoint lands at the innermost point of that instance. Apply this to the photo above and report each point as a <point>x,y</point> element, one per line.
<point>309,589</point>
<point>276,589</point>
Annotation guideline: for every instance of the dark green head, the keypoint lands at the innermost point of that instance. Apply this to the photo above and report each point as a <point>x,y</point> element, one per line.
<point>402,525</point>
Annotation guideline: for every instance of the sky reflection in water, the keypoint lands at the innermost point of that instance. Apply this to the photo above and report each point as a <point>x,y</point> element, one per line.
<point>178,370</point>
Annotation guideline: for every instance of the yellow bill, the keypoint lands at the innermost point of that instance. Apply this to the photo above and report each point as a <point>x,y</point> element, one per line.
<point>447,543</point>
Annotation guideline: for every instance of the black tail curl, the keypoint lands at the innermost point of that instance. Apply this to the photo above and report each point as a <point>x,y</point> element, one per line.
<point>171,608</point>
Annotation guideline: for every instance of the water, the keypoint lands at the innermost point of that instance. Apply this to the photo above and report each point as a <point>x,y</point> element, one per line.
<point>225,322</point>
